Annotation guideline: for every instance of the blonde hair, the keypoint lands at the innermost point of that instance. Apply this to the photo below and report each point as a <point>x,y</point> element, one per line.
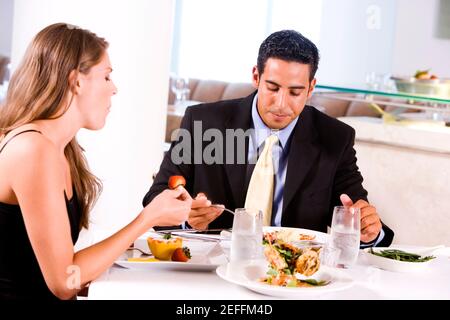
<point>39,89</point>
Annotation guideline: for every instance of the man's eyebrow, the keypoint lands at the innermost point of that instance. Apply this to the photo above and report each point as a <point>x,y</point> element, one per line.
<point>291,87</point>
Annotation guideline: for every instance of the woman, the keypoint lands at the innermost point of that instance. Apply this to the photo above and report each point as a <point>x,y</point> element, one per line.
<point>46,189</point>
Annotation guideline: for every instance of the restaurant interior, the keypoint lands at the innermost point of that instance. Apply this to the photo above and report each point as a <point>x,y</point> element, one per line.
<point>384,70</point>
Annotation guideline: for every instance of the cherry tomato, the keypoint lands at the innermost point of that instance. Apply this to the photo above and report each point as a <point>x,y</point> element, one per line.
<point>176,181</point>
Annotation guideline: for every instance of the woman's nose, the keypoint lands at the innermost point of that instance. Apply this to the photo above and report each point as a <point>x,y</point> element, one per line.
<point>114,89</point>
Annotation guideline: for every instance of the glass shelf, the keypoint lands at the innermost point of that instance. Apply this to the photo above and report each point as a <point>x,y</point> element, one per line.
<point>389,94</point>
<point>435,109</point>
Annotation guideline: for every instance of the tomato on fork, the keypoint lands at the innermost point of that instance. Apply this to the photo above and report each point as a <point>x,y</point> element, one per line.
<point>176,181</point>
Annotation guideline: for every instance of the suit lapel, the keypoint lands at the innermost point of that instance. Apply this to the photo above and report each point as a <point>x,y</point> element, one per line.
<point>241,119</point>
<point>302,154</point>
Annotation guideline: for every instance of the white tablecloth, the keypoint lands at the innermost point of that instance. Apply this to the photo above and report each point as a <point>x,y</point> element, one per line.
<point>370,283</point>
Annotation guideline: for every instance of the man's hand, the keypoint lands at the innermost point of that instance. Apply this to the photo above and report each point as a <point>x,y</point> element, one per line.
<point>202,213</point>
<point>370,221</point>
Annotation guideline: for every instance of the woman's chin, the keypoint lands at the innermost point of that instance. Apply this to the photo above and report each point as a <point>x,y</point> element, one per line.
<point>95,126</point>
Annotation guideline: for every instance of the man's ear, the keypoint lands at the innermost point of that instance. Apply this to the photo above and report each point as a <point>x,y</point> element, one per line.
<point>312,85</point>
<point>255,77</point>
<point>74,82</point>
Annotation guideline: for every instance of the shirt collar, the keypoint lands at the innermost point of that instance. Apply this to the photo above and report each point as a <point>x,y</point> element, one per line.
<point>262,131</point>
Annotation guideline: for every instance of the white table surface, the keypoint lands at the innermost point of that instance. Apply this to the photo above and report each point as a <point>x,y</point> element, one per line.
<point>370,283</point>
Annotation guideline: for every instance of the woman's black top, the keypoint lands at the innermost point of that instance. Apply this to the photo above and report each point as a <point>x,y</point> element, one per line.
<point>20,275</point>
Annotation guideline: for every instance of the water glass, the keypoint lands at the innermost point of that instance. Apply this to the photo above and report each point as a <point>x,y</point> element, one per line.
<point>329,256</point>
<point>345,234</point>
<point>2,92</point>
<point>180,86</point>
<point>379,81</point>
<point>247,235</point>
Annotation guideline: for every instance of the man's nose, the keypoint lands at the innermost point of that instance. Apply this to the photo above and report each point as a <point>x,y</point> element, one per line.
<point>282,99</point>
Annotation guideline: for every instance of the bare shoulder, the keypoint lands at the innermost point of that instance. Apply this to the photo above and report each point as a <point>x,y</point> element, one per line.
<point>30,148</point>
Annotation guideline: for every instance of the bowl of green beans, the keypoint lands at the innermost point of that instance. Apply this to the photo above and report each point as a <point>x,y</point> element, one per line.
<point>396,260</point>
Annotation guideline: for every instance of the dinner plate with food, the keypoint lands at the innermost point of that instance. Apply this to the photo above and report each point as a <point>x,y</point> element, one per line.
<point>173,253</point>
<point>291,266</point>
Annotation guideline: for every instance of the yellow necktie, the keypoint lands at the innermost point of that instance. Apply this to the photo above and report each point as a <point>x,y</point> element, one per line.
<point>260,189</point>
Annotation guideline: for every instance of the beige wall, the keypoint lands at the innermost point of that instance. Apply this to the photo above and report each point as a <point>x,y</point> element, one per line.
<point>129,149</point>
<point>406,172</point>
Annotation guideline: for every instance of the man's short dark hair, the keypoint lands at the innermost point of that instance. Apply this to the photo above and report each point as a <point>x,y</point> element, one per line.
<point>289,45</point>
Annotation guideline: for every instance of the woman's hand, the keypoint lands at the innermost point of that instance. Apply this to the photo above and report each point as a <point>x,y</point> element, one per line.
<point>169,208</point>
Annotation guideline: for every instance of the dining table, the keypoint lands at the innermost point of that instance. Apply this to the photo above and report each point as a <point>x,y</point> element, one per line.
<point>150,281</point>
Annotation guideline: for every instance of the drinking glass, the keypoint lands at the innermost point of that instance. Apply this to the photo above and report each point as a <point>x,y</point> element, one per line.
<point>379,81</point>
<point>3,90</point>
<point>247,235</point>
<point>345,234</point>
<point>180,86</point>
<point>329,256</point>
<point>4,82</point>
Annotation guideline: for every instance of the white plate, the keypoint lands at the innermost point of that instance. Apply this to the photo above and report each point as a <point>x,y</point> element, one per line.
<point>248,273</point>
<point>206,256</point>
<point>295,232</point>
<point>395,265</point>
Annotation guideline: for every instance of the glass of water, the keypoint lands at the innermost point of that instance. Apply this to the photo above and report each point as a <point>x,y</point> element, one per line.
<point>329,256</point>
<point>246,235</point>
<point>345,234</point>
<point>180,86</point>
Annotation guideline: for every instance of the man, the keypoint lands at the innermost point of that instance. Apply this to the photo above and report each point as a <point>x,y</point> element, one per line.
<point>310,156</point>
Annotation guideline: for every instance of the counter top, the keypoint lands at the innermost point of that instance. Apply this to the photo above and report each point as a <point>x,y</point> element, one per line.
<point>414,134</point>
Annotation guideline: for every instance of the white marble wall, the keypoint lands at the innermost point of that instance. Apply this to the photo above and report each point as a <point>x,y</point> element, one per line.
<point>407,173</point>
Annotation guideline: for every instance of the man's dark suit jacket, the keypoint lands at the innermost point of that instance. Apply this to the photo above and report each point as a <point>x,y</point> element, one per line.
<point>321,166</point>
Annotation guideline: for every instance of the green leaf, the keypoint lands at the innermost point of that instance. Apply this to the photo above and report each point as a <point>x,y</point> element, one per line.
<point>287,271</point>
<point>286,253</point>
<point>314,282</point>
<point>187,252</point>
<point>167,236</point>
<point>272,272</point>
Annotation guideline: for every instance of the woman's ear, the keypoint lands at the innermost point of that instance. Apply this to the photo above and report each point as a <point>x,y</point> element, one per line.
<point>74,82</point>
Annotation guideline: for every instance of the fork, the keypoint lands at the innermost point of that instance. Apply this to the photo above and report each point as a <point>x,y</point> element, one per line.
<point>223,208</point>
<point>188,235</point>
